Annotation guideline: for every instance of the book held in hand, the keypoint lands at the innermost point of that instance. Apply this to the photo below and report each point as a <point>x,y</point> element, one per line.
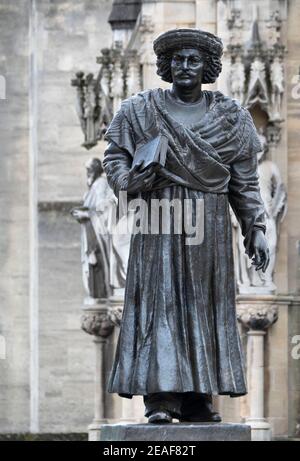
<point>153,153</point>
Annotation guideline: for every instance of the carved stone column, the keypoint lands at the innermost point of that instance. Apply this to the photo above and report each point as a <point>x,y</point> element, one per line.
<point>117,82</point>
<point>133,78</point>
<point>145,52</point>
<point>257,316</point>
<point>105,61</point>
<point>96,321</point>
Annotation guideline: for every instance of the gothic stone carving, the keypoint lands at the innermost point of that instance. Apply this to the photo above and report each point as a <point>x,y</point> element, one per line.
<point>257,316</point>
<point>97,324</point>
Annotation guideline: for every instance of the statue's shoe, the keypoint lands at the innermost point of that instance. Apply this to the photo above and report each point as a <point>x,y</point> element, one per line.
<point>159,417</point>
<point>199,409</point>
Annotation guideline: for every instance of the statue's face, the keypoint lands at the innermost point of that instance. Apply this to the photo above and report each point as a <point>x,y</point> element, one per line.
<point>91,175</point>
<point>187,67</point>
<point>93,171</point>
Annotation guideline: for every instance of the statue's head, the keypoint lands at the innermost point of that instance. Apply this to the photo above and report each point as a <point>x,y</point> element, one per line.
<point>94,170</point>
<point>187,56</point>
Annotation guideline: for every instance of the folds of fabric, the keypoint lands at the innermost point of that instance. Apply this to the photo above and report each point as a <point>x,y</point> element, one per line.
<point>179,330</point>
<point>218,154</point>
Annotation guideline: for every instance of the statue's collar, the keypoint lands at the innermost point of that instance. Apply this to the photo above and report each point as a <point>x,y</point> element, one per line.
<point>221,109</point>
<point>159,96</point>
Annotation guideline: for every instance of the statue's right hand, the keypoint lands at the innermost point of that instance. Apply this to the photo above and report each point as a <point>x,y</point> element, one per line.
<point>138,180</point>
<point>80,215</point>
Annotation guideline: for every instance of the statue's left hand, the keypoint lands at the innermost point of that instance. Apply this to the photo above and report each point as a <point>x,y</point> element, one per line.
<point>259,250</point>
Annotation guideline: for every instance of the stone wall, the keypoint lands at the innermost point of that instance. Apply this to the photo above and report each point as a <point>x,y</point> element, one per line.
<point>293,217</point>
<point>15,225</point>
<point>70,36</point>
<point>46,381</point>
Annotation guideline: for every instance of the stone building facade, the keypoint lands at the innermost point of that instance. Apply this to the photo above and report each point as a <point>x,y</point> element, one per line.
<point>47,373</point>
<point>46,379</point>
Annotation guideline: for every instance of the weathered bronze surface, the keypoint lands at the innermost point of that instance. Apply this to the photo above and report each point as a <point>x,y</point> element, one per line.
<point>179,342</point>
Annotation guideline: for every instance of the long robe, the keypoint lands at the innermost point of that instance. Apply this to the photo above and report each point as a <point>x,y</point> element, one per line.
<point>95,241</point>
<point>179,330</point>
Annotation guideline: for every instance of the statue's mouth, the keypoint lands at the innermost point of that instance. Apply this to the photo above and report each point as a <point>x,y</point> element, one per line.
<point>184,76</point>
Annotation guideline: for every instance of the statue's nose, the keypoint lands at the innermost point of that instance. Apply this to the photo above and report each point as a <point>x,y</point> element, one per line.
<point>185,63</point>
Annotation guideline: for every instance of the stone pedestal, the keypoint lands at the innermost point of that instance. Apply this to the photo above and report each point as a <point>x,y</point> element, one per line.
<point>175,432</point>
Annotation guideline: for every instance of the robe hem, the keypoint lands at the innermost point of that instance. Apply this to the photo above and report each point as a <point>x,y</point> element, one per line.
<point>129,396</point>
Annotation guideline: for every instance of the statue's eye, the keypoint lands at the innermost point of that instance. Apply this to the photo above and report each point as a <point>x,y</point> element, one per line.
<point>195,60</point>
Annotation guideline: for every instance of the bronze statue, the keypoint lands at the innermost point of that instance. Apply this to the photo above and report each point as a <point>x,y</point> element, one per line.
<point>179,342</point>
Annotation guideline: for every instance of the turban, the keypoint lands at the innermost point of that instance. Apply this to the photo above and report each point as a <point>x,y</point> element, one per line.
<point>176,39</point>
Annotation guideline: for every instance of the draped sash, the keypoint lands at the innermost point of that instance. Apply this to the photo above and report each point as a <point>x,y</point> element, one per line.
<point>199,155</point>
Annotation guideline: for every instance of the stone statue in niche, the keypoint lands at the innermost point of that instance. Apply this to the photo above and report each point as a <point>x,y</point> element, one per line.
<point>277,87</point>
<point>238,79</point>
<point>95,238</point>
<point>104,250</point>
<point>179,343</point>
<point>275,200</point>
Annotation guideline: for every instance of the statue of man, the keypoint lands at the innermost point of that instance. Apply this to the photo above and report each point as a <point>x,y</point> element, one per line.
<point>179,342</point>
<point>95,239</point>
